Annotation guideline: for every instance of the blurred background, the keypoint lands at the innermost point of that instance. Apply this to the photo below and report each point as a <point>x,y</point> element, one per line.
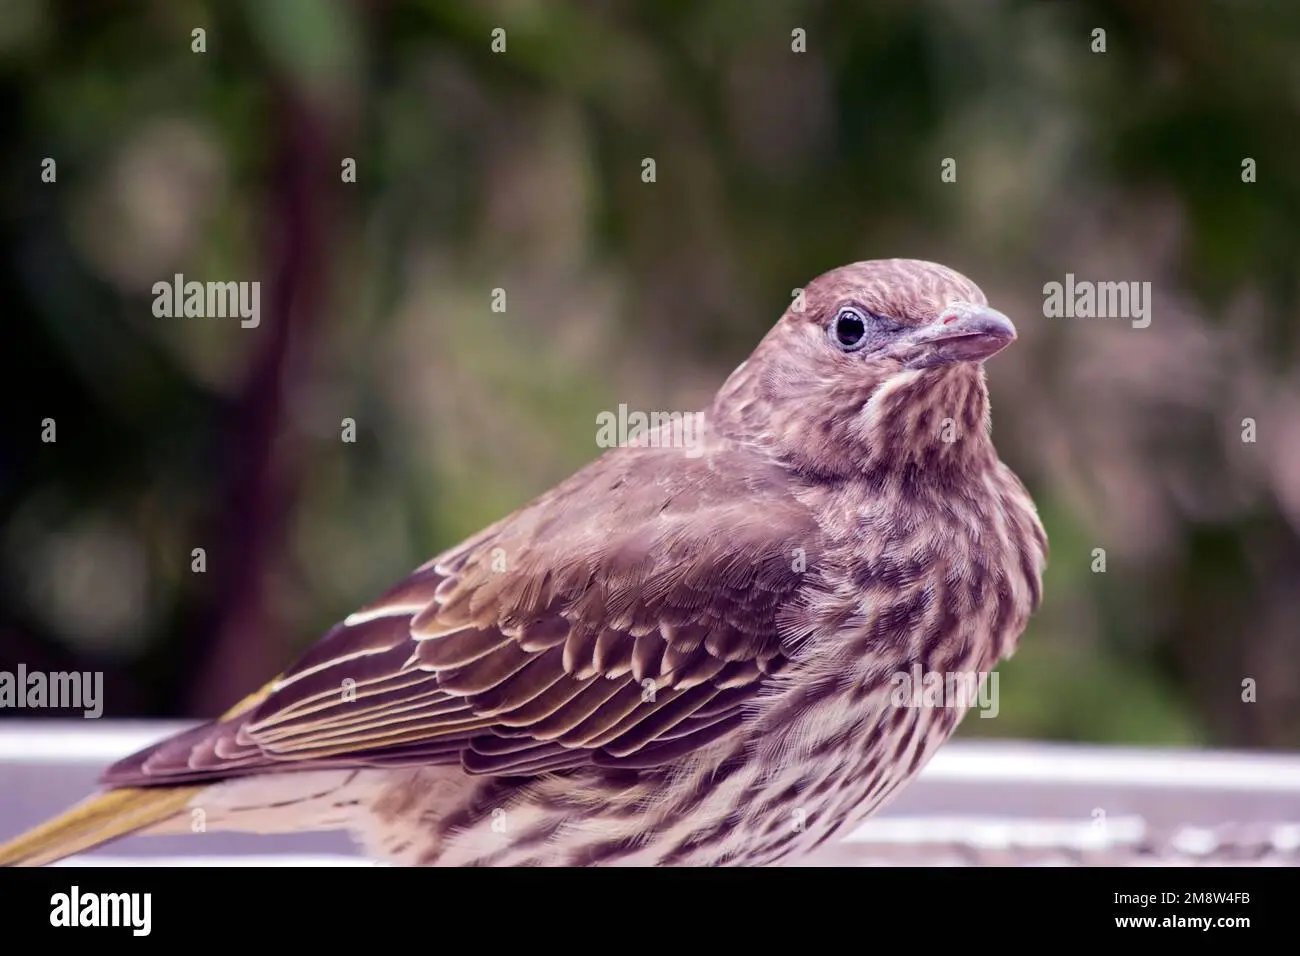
<point>788,137</point>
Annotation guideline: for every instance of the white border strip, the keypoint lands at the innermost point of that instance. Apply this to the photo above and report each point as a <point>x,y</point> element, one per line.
<point>75,741</point>
<point>1054,764</point>
<point>998,833</point>
<point>205,861</point>
<point>963,761</point>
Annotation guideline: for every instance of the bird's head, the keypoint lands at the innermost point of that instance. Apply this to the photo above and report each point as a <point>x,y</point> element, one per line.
<point>874,365</point>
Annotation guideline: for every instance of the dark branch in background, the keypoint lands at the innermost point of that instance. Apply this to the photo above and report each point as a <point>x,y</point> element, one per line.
<point>238,644</point>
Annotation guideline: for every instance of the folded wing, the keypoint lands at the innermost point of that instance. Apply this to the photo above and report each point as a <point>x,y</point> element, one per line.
<point>622,620</point>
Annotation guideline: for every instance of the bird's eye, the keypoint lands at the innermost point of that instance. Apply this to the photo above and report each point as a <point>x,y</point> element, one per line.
<point>849,330</point>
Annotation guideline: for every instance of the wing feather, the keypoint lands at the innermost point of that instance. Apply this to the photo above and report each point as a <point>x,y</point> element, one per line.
<point>623,620</point>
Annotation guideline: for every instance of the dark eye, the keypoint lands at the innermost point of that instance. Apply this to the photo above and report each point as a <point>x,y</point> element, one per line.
<point>849,330</point>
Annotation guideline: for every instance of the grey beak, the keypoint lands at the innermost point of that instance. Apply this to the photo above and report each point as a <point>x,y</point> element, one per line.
<point>963,333</point>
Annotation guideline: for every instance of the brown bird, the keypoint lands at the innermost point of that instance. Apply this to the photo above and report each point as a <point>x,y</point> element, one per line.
<point>682,655</point>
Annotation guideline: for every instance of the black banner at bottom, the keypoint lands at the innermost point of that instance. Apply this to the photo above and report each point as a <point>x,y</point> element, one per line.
<point>338,906</point>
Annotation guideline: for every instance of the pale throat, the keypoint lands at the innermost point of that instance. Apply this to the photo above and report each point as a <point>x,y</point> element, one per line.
<point>929,418</point>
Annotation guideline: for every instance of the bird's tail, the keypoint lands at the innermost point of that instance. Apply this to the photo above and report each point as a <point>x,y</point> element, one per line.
<point>95,821</point>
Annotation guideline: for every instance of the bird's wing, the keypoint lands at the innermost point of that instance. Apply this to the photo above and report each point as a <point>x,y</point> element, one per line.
<point>622,620</point>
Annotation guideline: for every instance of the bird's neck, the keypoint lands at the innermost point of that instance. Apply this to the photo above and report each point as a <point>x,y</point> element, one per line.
<point>932,421</point>
<point>921,425</point>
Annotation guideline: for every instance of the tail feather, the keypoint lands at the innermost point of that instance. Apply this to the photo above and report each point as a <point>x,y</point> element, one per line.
<point>94,822</point>
<point>114,813</point>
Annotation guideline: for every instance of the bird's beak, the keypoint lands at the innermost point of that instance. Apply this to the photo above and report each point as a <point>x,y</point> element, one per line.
<point>962,333</point>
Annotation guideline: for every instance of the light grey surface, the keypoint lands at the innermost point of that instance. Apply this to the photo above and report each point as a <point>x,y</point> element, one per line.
<point>976,803</point>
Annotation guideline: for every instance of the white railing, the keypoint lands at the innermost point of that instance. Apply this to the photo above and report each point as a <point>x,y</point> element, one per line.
<point>977,802</point>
